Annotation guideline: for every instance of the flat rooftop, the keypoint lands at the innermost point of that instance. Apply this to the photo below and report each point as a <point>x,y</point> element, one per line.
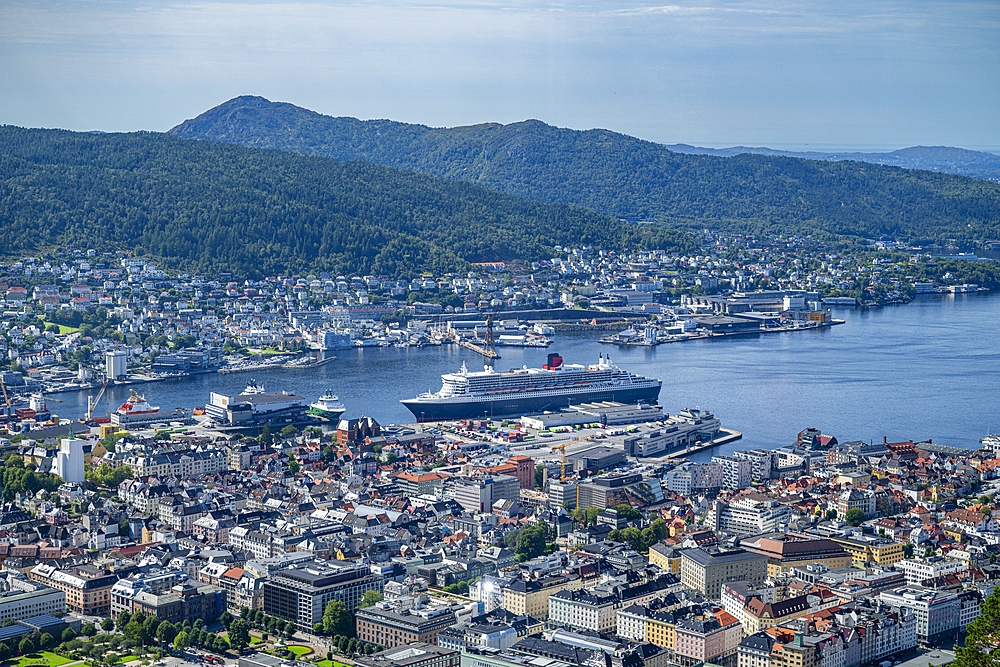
<point>936,657</point>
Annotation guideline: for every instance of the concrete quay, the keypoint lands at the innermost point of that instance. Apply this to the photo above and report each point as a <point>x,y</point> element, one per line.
<point>731,436</point>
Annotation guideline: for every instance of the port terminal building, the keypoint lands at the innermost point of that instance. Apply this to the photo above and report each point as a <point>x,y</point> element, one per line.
<point>256,408</point>
<point>673,432</point>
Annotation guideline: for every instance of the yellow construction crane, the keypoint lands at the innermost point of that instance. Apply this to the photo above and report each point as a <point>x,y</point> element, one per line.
<point>562,448</point>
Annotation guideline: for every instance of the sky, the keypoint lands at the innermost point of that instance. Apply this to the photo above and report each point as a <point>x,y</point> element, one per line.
<point>797,74</point>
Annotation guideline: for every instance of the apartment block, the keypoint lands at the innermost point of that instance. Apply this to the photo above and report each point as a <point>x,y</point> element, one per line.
<point>391,624</point>
<point>918,571</point>
<point>708,572</point>
<point>531,597</point>
<point>937,612</point>
<point>301,593</point>
<point>87,589</point>
<point>584,610</point>
<point>748,516</point>
<point>22,598</point>
<point>736,472</point>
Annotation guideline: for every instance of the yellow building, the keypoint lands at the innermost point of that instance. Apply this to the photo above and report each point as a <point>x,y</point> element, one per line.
<point>882,551</point>
<point>660,630</point>
<point>795,653</point>
<point>531,598</point>
<point>665,557</point>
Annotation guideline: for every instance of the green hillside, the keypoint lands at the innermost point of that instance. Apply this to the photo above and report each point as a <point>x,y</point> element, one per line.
<point>629,178</point>
<point>206,206</point>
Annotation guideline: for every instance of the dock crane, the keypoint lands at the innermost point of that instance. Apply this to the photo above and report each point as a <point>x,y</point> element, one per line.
<point>562,448</point>
<point>6,398</point>
<point>491,343</point>
<point>92,403</point>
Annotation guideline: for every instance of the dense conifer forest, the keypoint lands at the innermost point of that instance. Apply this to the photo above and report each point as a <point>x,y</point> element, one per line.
<point>205,206</point>
<point>629,178</point>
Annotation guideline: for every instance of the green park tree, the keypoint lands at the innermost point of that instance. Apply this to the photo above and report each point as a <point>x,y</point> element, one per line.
<point>149,628</point>
<point>26,646</point>
<point>982,644</point>
<point>337,619</point>
<point>180,641</point>
<point>628,512</point>
<point>134,631</point>
<point>166,633</point>
<point>370,598</point>
<point>239,634</point>
<point>531,541</point>
<point>855,516</point>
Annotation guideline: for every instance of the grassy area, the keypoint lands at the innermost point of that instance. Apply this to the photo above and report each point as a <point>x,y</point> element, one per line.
<point>330,663</point>
<point>255,640</point>
<point>269,351</point>
<point>62,328</point>
<point>126,658</point>
<point>44,659</point>
<point>299,651</point>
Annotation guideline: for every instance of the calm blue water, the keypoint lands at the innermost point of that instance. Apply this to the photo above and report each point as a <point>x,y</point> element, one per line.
<point>928,369</point>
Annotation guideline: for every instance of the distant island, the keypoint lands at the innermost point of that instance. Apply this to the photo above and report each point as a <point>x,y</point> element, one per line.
<point>960,161</point>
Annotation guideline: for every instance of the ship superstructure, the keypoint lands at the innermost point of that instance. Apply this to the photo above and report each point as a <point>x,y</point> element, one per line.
<point>327,406</point>
<point>488,393</point>
<point>137,411</point>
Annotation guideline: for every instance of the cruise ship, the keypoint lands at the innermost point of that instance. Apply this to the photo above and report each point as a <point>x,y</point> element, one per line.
<point>488,393</point>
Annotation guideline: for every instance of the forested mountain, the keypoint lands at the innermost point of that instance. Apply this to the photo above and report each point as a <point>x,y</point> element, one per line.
<point>206,206</point>
<point>629,178</point>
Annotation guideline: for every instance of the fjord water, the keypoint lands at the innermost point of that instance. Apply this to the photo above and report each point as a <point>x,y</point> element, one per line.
<point>928,369</point>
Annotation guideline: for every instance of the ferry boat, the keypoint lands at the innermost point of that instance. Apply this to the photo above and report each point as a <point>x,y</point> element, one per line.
<point>328,406</point>
<point>488,393</point>
<point>136,411</point>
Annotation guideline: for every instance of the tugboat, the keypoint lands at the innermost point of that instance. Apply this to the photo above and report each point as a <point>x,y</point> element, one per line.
<point>327,406</point>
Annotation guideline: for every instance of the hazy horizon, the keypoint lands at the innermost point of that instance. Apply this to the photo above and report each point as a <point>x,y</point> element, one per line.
<point>789,75</point>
